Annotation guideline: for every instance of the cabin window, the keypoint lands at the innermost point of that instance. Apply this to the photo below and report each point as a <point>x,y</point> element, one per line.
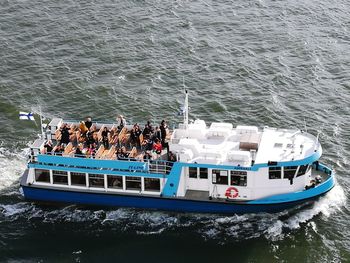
<point>78,179</point>
<point>220,176</point>
<point>239,178</point>
<point>152,184</point>
<point>192,172</point>
<point>133,183</point>
<point>60,177</point>
<point>289,171</point>
<point>274,172</point>
<point>302,170</point>
<point>42,175</point>
<point>96,180</point>
<point>115,182</point>
<point>203,173</point>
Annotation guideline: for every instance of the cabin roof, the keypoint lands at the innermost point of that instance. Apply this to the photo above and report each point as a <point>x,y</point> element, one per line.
<point>221,143</point>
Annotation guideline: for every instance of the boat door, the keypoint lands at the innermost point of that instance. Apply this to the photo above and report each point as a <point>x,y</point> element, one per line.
<point>197,179</point>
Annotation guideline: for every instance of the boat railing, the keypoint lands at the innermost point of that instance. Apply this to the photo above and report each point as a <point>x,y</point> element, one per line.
<point>157,166</point>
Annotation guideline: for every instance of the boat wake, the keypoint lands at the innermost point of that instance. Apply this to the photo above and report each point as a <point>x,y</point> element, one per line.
<point>222,229</point>
<point>11,169</point>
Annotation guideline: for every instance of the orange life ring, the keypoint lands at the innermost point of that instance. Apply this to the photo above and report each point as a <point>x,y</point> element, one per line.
<point>231,192</point>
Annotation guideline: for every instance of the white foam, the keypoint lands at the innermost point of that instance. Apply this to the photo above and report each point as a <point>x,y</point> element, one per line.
<point>327,205</point>
<point>13,165</point>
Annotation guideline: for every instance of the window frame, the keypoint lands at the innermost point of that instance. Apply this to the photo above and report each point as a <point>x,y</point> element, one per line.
<point>275,169</point>
<point>98,177</point>
<point>199,172</point>
<point>62,174</point>
<point>214,171</point>
<point>131,179</point>
<point>240,175</point>
<point>75,174</point>
<point>302,172</point>
<point>115,177</point>
<point>49,176</point>
<point>146,189</point>
<point>288,169</point>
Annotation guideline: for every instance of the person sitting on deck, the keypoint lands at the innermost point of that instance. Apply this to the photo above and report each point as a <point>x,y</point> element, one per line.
<point>147,144</point>
<point>48,147</point>
<point>121,122</point>
<point>105,139</point>
<point>147,156</point>
<point>90,137</point>
<point>122,154</point>
<point>92,150</point>
<point>59,149</point>
<point>78,151</point>
<point>157,147</point>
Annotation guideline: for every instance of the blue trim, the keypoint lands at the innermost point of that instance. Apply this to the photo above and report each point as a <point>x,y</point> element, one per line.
<point>148,202</point>
<point>94,171</point>
<point>172,184</point>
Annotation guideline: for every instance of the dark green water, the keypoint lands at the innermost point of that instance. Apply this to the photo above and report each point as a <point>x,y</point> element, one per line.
<point>274,63</point>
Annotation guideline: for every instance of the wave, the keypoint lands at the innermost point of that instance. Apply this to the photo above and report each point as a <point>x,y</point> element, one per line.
<point>222,229</point>
<point>13,165</point>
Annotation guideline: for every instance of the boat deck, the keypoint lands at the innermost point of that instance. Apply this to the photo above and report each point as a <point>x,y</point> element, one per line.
<point>120,144</point>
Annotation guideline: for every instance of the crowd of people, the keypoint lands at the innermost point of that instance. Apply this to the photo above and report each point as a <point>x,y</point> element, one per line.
<point>85,140</point>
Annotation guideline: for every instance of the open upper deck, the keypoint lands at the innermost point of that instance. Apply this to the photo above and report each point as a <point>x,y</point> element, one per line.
<point>221,143</point>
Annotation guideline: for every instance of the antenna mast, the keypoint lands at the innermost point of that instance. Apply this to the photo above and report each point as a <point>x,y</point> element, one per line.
<point>186,110</point>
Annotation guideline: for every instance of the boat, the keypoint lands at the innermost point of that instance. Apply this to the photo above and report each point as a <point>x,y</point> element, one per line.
<point>200,169</point>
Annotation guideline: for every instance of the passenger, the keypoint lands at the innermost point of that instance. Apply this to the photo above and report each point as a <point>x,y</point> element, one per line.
<point>78,151</point>
<point>88,123</point>
<point>121,122</point>
<point>171,157</point>
<point>90,138</point>
<point>135,136</point>
<point>157,147</point>
<point>48,147</point>
<point>156,134</point>
<point>124,152</point>
<point>147,156</point>
<point>163,130</point>
<point>92,150</point>
<point>105,137</point>
<point>65,135</point>
<point>58,150</point>
<point>148,129</point>
<point>148,144</point>
<point>119,154</point>
<point>113,136</point>
<point>83,129</point>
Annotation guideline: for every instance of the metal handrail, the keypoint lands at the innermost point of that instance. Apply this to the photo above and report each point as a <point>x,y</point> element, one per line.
<point>155,166</point>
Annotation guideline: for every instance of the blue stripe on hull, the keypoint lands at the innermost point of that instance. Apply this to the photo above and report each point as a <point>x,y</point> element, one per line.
<point>181,205</point>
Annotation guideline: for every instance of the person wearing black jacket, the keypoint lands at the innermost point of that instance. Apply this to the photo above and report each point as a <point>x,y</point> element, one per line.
<point>65,135</point>
<point>88,123</point>
<point>135,136</point>
<point>163,129</point>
